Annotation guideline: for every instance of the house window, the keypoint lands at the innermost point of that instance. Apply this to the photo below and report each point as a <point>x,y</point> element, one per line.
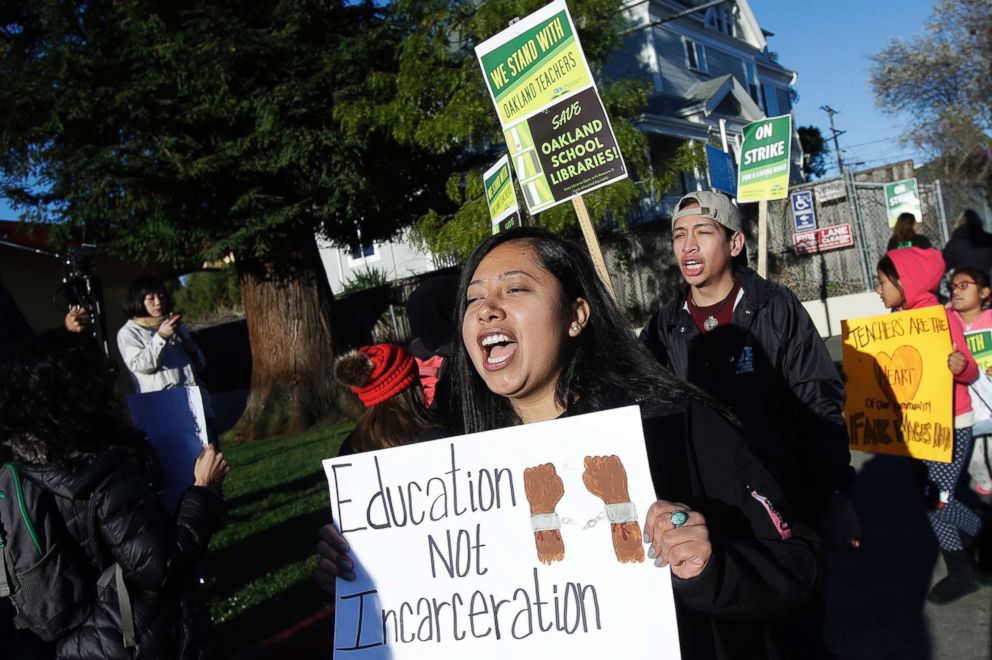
<point>721,19</point>
<point>771,101</point>
<point>363,253</point>
<point>695,55</point>
<point>751,78</point>
<point>728,20</point>
<point>711,19</point>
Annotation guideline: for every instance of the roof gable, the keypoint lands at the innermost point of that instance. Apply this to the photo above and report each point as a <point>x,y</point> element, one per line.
<point>723,95</point>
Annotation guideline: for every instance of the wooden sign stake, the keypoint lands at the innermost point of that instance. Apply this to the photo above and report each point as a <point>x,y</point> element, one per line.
<point>763,238</point>
<point>589,232</point>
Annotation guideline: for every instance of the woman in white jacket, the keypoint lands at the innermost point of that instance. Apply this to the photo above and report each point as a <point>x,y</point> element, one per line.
<point>157,348</point>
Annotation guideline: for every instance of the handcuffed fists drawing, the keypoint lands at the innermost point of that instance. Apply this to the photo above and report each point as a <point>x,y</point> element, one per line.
<point>606,478</point>
<point>544,490</point>
<point>679,537</point>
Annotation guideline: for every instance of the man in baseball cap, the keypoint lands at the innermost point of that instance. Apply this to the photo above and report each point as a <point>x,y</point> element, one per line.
<point>750,343</point>
<point>712,205</point>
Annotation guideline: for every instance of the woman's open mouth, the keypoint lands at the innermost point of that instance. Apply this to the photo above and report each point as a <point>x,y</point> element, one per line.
<point>498,348</point>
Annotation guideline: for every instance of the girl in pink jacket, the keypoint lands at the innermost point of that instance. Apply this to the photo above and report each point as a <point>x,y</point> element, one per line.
<point>907,278</point>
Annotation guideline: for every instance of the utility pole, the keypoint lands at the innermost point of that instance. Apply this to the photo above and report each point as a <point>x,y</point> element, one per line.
<point>833,129</point>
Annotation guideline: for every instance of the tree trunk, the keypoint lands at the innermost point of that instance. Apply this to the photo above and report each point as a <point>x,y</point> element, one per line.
<point>288,311</point>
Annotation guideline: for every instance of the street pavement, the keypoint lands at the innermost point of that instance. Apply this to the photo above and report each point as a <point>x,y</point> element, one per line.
<point>876,599</point>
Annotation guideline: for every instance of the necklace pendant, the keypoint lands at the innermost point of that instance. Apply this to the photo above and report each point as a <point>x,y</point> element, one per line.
<point>710,323</point>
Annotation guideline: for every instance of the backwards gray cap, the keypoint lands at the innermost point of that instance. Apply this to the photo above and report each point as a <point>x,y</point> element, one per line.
<point>712,205</point>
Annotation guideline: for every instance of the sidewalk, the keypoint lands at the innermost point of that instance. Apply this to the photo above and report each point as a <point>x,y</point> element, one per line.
<point>876,601</point>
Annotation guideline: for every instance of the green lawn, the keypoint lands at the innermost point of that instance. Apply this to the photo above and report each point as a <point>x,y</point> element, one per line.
<point>260,564</point>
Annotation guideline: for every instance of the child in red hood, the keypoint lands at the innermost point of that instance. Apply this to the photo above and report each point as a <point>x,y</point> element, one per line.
<point>907,278</point>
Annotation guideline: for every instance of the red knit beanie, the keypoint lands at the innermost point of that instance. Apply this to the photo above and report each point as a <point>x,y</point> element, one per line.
<point>376,373</point>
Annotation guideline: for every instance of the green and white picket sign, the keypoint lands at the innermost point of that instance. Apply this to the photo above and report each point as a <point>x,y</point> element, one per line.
<point>500,196</point>
<point>902,197</point>
<point>764,172</point>
<point>765,155</point>
<point>560,140</point>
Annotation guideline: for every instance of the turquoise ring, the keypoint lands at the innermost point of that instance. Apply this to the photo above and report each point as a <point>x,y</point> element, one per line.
<point>679,518</point>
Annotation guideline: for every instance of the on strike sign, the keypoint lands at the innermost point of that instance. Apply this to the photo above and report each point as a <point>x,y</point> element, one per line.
<point>765,154</point>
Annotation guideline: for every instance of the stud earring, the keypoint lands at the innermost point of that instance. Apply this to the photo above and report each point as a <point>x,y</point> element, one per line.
<point>575,327</point>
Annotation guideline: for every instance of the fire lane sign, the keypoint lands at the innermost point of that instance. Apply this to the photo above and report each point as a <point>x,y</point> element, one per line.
<point>824,239</point>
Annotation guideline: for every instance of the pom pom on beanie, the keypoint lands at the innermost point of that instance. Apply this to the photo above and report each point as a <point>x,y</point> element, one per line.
<point>376,373</point>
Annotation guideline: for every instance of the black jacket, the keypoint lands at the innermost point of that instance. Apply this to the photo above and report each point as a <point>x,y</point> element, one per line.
<point>918,240</point>
<point>771,368</point>
<point>155,551</point>
<point>756,575</point>
<point>964,250</point>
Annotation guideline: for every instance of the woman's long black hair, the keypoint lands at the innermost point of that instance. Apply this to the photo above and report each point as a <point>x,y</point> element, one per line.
<point>609,366</point>
<point>58,403</point>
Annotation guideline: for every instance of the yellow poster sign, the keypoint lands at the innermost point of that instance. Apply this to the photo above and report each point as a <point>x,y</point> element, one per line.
<point>900,393</point>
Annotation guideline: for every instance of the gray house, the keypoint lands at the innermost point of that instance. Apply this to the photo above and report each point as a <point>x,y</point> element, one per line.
<point>711,73</point>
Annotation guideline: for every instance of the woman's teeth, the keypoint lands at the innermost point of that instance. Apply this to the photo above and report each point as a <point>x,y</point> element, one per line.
<point>494,339</point>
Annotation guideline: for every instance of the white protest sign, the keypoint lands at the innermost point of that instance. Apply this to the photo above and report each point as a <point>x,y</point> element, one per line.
<point>176,426</point>
<point>457,554</point>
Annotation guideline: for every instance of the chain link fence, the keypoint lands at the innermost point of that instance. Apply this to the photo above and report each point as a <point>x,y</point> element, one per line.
<point>645,272</point>
<point>858,200</point>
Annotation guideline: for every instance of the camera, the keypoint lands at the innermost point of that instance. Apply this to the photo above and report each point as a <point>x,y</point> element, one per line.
<point>80,287</point>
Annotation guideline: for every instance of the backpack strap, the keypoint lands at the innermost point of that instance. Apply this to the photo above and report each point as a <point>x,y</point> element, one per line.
<point>4,583</point>
<point>18,494</point>
<point>116,573</point>
<point>115,570</point>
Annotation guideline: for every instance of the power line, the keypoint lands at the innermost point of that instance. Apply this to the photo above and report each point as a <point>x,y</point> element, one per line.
<point>678,15</point>
<point>864,144</point>
<point>889,158</point>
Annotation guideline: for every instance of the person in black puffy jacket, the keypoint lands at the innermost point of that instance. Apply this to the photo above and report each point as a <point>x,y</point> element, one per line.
<point>62,426</point>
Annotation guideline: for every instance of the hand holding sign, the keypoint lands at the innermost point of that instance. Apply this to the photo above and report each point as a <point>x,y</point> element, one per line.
<point>332,559</point>
<point>956,361</point>
<point>686,547</point>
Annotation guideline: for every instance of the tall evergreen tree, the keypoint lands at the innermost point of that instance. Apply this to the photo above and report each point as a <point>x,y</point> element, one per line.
<point>174,131</point>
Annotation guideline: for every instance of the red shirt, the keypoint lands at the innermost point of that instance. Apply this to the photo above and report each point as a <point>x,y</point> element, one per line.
<point>722,311</point>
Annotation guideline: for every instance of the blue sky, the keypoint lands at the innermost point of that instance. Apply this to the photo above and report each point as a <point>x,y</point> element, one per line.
<point>829,44</point>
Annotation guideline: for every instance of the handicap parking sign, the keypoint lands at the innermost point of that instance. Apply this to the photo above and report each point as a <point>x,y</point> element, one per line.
<point>802,210</point>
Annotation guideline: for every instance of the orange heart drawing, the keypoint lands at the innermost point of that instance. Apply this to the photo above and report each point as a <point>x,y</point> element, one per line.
<point>900,373</point>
